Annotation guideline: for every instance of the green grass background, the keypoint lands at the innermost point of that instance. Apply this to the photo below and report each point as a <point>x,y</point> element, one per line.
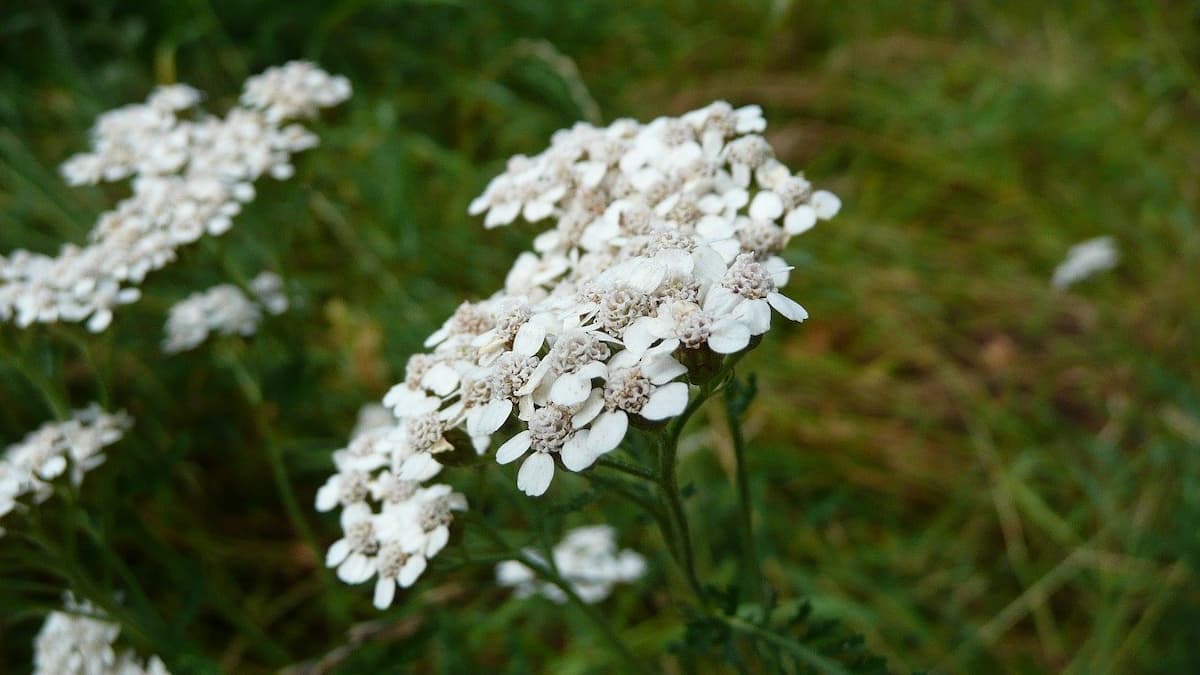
<point>977,473</point>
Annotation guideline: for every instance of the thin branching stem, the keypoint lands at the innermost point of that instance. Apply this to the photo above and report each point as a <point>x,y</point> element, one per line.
<point>796,649</point>
<point>668,480</point>
<point>627,468</point>
<point>283,484</point>
<point>57,403</point>
<point>753,566</point>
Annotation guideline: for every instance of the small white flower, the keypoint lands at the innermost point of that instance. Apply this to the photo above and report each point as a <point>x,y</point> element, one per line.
<point>750,290</point>
<point>72,448</point>
<point>587,558</point>
<point>353,555</point>
<point>79,641</point>
<point>1085,259</point>
<point>223,309</point>
<point>552,429</point>
<point>638,384</point>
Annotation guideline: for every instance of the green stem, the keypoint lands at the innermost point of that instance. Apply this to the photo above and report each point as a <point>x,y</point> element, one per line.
<point>668,481</point>
<point>670,489</point>
<point>626,468</point>
<point>283,483</point>
<point>85,350</point>
<point>609,633</point>
<point>56,402</point>
<point>752,574</point>
<point>808,656</point>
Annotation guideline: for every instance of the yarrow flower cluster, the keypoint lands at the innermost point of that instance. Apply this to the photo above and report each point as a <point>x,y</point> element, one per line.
<point>1085,259</point>
<point>72,448</point>
<point>79,641</point>
<point>391,525</point>
<point>587,558</point>
<point>662,255</point>
<point>224,310</point>
<point>190,173</point>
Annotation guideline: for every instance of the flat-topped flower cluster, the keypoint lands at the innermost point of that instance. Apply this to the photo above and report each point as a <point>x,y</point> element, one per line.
<point>72,447</point>
<point>79,641</point>
<point>662,255</point>
<point>190,173</point>
<point>223,309</point>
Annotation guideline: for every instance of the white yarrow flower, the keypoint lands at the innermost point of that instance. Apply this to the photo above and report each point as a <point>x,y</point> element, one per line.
<point>190,174</point>
<point>222,310</point>
<point>587,558</point>
<point>79,641</point>
<point>71,448</point>
<point>661,247</point>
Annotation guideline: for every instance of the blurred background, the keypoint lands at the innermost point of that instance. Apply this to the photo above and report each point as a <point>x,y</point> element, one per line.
<point>973,470</point>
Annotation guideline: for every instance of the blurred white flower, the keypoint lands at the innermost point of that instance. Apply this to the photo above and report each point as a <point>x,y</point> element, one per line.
<point>1085,259</point>
<point>268,289</point>
<point>587,558</point>
<point>79,641</point>
<point>71,448</point>
<point>190,174</point>
<point>224,310</point>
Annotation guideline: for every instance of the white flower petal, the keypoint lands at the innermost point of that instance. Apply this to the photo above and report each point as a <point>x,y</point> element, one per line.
<point>779,270</point>
<point>736,198</point>
<point>535,211</point>
<point>787,307</point>
<point>385,592</point>
<point>502,214</point>
<point>355,569</point>
<point>666,401</point>
<point>728,336</point>
<point>766,206</point>
<point>490,417</point>
<point>756,314</point>
<point>721,301</point>
<point>514,447</point>
<point>662,368</point>
<point>441,379</point>
<point>576,455</point>
<point>714,227</point>
<point>640,334</point>
<point>709,263</point>
<point>570,389</point>
<point>327,495</point>
<point>419,466</point>
<point>826,204</point>
<point>588,411</point>
<point>412,570</point>
<point>536,473</point>
<point>337,553</point>
<point>591,173</point>
<point>607,432</point>
<point>529,339</point>
<point>437,541</point>
<point>646,275</point>
<point>800,219</point>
